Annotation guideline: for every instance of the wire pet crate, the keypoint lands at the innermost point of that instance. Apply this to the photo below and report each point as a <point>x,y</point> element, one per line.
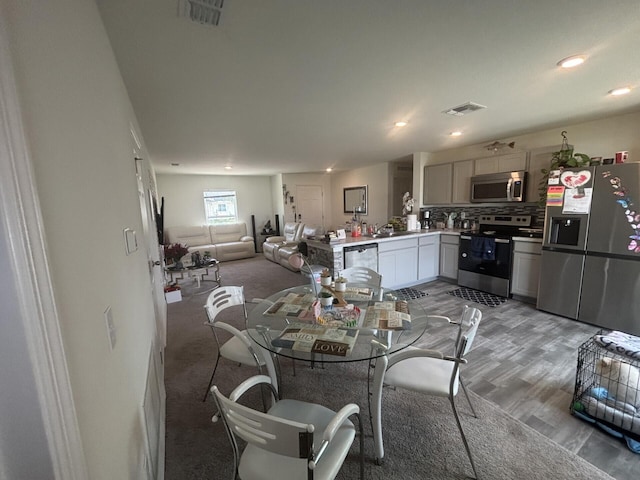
<point>607,389</point>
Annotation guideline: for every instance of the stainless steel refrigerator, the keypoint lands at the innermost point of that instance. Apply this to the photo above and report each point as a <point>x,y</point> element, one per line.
<point>590,267</point>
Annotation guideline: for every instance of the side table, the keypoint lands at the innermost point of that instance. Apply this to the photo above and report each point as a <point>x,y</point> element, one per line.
<point>197,273</point>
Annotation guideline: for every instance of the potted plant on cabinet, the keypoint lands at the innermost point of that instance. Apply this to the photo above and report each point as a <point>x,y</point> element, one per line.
<point>563,158</point>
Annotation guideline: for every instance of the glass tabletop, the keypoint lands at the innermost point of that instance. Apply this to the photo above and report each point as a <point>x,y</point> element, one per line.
<point>375,322</point>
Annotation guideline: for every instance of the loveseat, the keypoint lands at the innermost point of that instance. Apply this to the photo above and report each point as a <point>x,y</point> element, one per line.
<point>278,249</point>
<point>223,242</point>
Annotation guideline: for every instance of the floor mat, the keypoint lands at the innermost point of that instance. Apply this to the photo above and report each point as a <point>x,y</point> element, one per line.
<point>477,296</point>
<point>410,293</point>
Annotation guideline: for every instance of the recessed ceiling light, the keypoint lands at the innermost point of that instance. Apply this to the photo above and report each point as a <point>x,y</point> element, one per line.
<point>455,134</point>
<point>227,167</point>
<point>329,169</point>
<point>572,61</point>
<point>401,124</point>
<point>620,91</point>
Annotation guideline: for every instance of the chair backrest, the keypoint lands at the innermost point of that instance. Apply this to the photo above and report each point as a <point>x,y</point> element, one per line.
<point>468,328</point>
<point>292,232</point>
<point>362,275</point>
<point>267,432</point>
<point>222,298</point>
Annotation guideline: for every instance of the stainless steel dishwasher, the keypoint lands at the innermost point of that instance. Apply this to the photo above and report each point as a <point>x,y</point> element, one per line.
<point>361,256</point>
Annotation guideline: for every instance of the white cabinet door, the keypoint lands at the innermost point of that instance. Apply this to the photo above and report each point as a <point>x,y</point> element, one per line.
<point>501,163</point>
<point>398,262</point>
<point>449,256</point>
<point>387,268</point>
<point>526,273</point>
<point>428,261</point>
<point>462,173</point>
<point>526,268</point>
<point>437,184</point>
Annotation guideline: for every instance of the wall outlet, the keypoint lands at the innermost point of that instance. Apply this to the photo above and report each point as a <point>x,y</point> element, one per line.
<point>111,328</point>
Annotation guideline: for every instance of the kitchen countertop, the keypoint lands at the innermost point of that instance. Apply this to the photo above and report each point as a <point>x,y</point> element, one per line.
<point>363,240</point>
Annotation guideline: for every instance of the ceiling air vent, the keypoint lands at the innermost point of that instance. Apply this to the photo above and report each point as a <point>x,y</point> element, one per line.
<point>206,12</point>
<point>463,109</point>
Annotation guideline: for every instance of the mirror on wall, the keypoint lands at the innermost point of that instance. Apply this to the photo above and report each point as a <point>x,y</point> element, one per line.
<point>355,198</point>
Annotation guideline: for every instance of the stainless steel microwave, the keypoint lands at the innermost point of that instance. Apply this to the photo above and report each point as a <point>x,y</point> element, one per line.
<point>499,187</point>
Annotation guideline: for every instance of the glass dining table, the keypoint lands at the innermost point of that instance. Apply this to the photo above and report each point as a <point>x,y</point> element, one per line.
<point>375,322</point>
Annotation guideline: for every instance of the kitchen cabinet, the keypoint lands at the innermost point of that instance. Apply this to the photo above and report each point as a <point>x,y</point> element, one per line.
<point>398,262</point>
<point>428,257</point>
<point>501,163</point>
<point>538,159</point>
<point>449,255</point>
<point>437,184</point>
<point>525,272</point>
<point>462,173</point>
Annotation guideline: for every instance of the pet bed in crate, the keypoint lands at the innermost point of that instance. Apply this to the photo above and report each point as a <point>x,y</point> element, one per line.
<point>607,389</point>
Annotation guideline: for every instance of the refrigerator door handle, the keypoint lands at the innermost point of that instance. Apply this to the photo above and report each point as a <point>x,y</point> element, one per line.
<point>510,190</point>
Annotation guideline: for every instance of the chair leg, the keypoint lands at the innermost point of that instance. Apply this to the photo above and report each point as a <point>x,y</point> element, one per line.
<point>464,438</point>
<point>466,394</point>
<point>361,447</point>
<point>206,392</point>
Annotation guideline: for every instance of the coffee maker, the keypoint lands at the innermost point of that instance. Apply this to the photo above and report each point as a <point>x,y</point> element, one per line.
<point>426,219</point>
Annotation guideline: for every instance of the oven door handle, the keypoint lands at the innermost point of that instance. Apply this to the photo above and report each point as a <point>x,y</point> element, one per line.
<point>502,240</point>
<point>465,237</point>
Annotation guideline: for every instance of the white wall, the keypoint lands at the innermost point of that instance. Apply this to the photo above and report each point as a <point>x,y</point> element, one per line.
<point>77,117</point>
<point>184,203</point>
<point>376,177</point>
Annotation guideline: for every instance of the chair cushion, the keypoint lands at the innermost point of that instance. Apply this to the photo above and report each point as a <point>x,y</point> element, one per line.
<point>256,463</point>
<point>236,351</point>
<point>422,374</point>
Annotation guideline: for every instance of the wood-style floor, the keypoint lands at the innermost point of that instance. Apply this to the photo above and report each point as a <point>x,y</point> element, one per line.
<point>524,360</point>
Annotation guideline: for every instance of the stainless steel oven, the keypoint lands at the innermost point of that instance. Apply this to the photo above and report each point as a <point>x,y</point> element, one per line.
<point>485,256</point>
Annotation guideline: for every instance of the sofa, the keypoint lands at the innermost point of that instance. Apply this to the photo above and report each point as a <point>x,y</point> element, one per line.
<point>223,242</point>
<point>278,249</point>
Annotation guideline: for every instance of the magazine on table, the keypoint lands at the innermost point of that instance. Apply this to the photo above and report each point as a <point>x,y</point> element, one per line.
<point>292,305</point>
<point>356,294</point>
<point>389,315</point>
<point>317,339</point>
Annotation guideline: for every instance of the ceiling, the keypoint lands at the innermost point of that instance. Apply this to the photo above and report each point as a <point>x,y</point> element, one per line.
<point>283,86</point>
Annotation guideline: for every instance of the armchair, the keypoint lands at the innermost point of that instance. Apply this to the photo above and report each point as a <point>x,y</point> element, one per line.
<point>292,233</point>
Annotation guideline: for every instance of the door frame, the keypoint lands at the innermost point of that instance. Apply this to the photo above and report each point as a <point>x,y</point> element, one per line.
<point>24,235</point>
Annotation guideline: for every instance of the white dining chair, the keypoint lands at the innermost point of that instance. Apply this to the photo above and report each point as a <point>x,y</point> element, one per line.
<point>429,372</point>
<point>362,275</point>
<point>293,440</point>
<point>239,348</point>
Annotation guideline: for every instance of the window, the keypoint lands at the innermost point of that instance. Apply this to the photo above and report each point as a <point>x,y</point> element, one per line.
<point>220,207</point>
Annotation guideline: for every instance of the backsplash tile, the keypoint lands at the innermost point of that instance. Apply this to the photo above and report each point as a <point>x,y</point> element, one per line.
<point>474,212</point>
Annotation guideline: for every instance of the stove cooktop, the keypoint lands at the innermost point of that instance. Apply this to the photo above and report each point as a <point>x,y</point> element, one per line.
<point>505,226</point>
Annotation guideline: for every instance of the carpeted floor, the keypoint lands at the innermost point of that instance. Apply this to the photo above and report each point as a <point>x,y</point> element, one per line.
<point>477,296</point>
<point>421,439</point>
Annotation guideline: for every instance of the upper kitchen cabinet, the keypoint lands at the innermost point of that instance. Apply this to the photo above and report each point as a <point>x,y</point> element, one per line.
<point>538,159</point>
<point>437,184</point>
<point>462,173</point>
<point>501,163</point>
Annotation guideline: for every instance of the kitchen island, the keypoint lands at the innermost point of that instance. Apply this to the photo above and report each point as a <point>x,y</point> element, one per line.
<point>404,258</point>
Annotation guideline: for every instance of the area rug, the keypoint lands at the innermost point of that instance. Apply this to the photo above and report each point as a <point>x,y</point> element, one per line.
<point>421,438</point>
<point>410,293</point>
<point>477,296</point>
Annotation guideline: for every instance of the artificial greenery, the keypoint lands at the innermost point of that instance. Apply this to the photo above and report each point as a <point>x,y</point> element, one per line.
<point>563,158</point>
